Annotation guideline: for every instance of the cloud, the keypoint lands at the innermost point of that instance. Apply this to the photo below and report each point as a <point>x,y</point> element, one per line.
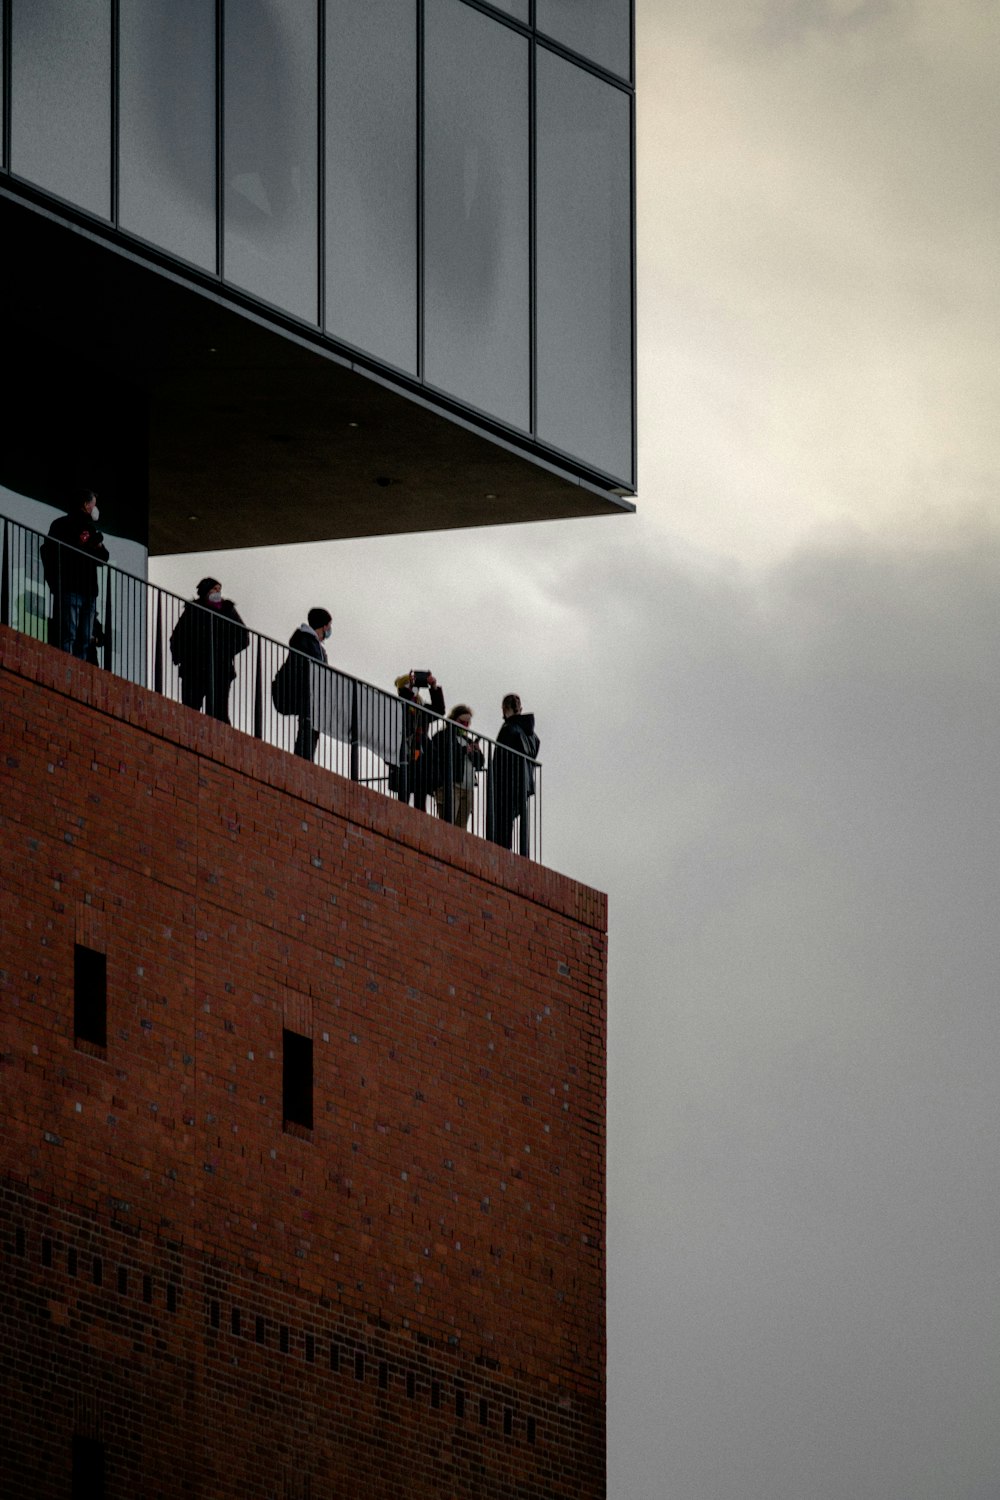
<point>805,1029</point>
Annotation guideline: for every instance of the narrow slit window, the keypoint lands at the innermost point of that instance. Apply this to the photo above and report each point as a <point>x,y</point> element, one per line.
<point>335,1357</point>
<point>310,1349</point>
<point>147,1289</point>
<point>88,1469</point>
<point>90,996</point>
<point>235,1322</point>
<point>283,1338</point>
<point>297,1080</point>
<point>383,1376</point>
<point>260,1332</point>
<point>46,1252</point>
<point>122,1281</point>
<point>411,1384</point>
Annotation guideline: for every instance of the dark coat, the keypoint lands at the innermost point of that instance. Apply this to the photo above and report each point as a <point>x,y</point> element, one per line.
<point>291,690</point>
<point>453,748</point>
<point>207,639</point>
<point>72,554</point>
<point>512,777</point>
<point>516,774</point>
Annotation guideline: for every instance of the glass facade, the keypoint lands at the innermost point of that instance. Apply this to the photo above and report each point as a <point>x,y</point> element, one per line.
<point>477,315</point>
<point>60,104</point>
<point>443,188</point>
<point>166,154</point>
<point>371,179</point>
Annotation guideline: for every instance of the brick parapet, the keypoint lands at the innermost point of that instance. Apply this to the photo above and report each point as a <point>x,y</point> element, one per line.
<point>451,1192</point>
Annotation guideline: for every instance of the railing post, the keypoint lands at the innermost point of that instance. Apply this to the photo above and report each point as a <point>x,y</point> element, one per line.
<point>258,694</point>
<point>449,775</point>
<point>108,624</point>
<point>5,582</point>
<point>355,734</point>
<point>158,646</point>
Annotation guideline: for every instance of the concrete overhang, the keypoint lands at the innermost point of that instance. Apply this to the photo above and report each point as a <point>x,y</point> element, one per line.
<point>259,432</point>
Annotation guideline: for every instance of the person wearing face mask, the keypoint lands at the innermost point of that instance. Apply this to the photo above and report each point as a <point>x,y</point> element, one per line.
<point>204,646</point>
<point>295,686</point>
<point>71,556</point>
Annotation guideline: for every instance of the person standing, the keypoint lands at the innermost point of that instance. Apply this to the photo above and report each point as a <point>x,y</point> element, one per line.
<point>204,644</point>
<point>413,776</point>
<point>512,775</point>
<point>71,556</point>
<point>295,689</point>
<point>455,758</point>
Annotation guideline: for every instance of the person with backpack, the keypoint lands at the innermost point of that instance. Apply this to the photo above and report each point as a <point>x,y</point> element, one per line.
<point>296,688</point>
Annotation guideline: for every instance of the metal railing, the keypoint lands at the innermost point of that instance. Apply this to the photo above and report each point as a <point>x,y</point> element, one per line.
<point>214,662</point>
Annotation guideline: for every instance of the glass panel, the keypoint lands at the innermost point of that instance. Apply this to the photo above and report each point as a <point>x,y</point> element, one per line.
<point>271,128</point>
<point>476,200</point>
<point>61,99</point>
<point>598,29</point>
<point>166,189</point>
<point>584,258</point>
<point>371,178</point>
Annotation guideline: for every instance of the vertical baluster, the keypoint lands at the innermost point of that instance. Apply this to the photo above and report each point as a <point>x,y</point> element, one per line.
<point>258,693</point>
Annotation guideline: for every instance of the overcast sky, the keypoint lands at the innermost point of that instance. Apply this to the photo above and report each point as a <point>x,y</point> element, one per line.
<point>768,706</point>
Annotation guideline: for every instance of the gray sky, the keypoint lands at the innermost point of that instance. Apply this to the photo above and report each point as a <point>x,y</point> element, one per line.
<point>768,707</point>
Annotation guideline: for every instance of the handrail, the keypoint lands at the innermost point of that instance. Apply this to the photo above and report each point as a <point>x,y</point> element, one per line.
<point>212,662</point>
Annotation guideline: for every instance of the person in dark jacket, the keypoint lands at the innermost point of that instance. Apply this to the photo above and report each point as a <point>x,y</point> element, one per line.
<point>71,556</point>
<point>204,645</point>
<point>295,687</point>
<point>455,758</point>
<point>512,775</point>
<point>413,775</point>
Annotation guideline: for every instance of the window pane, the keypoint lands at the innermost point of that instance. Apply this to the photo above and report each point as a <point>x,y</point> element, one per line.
<point>598,29</point>
<point>476,262</point>
<point>371,178</point>
<point>584,303</point>
<point>166,189</point>
<point>61,99</point>
<point>271,127</point>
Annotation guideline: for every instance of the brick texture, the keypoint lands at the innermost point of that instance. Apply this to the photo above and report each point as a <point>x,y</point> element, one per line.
<point>407,1300</point>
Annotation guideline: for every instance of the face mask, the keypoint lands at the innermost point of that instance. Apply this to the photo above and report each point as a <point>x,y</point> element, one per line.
<point>215,597</point>
<point>328,632</point>
<point>95,514</point>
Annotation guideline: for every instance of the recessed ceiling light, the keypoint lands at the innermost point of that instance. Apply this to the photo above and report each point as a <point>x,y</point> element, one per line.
<point>192,518</point>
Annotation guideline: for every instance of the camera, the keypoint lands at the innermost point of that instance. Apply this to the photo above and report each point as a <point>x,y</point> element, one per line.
<point>421,679</point>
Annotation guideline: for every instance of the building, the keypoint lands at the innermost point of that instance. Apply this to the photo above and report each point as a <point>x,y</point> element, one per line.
<point>302,1090</point>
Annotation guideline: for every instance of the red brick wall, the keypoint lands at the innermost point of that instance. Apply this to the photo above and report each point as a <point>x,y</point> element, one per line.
<point>443,1221</point>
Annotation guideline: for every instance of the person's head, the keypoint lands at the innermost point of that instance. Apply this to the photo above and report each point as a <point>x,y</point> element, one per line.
<point>210,589</point>
<point>511,705</point>
<point>462,714</point>
<point>320,620</point>
<point>86,500</point>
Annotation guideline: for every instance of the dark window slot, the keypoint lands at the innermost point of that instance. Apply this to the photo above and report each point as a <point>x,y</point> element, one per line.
<point>97,1271</point>
<point>260,1333</point>
<point>214,1314</point>
<point>508,1421</point>
<point>90,996</point>
<point>234,1322</point>
<point>122,1281</point>
<point>46,1252</point>
<point>88,1469</point>
<point>297,1079</point>
<point>283,1339</point>
<point>147,1289</point>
